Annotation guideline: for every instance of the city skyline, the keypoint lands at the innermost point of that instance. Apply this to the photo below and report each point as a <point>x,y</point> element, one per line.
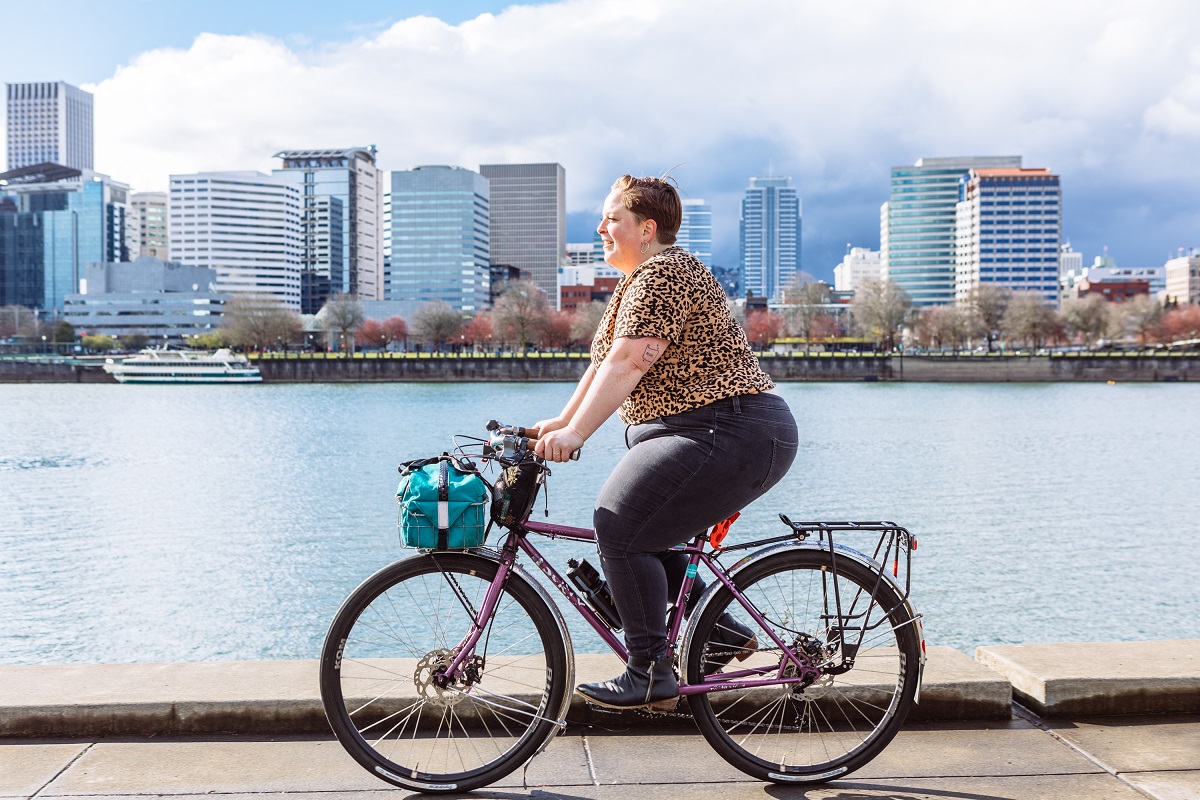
<point>1113,107</point>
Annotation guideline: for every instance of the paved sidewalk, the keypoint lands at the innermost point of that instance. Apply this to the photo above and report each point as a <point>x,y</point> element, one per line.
<point>1099,757</point>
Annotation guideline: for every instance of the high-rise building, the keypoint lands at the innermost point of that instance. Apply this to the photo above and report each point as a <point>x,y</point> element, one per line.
<point>528,220</point>
<point>342,222</point>
<point>49,122</point>
<point>917,225</point>
<point>440,237</point>
<point>770,236</point>
<point>1009,231</point>
<point>55,220</point>
<point>146,226</point>
<point>1183,278</point>
<point>243,225</point>
<point>695,230</point>
<point>858,264</point>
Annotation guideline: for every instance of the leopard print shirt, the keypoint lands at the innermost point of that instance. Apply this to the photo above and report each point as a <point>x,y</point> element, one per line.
<point>673,296</point>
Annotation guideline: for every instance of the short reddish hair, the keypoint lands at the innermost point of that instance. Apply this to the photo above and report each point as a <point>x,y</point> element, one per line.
<point>653,198</point>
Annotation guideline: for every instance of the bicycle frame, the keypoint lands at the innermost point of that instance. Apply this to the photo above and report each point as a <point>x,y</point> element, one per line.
<point>805,671</point>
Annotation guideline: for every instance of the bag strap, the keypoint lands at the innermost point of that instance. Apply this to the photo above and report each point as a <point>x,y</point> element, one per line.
<point>443,520</point>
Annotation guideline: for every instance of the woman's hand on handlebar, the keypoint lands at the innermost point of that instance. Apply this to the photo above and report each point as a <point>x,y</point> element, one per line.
<point>548,425</point>
<point>557,445</point>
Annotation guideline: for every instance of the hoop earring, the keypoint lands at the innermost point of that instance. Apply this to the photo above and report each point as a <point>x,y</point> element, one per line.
<point>645,248</point>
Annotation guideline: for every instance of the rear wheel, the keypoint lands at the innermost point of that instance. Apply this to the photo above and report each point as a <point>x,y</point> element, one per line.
<point>382,680</point>
<point>836,723</point>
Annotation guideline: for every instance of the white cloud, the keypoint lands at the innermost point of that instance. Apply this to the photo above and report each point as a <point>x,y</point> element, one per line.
<point>832,94</point>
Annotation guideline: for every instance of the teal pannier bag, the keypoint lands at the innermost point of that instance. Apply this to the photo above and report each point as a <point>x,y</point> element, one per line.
<point>443,505</point>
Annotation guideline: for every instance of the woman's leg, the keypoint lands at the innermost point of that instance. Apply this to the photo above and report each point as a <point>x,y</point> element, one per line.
<point>681,475</point>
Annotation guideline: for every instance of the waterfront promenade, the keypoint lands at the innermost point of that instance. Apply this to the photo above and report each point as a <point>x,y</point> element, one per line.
<point>1016,722</point>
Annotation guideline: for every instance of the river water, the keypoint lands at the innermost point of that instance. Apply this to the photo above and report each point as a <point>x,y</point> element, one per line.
<point>195,523</point>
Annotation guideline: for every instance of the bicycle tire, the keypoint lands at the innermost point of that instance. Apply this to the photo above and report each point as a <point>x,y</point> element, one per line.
<point>388,639</point>
<point>841,721</point>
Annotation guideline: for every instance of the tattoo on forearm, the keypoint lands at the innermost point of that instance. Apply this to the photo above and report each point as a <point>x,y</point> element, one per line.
<point>651,353</point>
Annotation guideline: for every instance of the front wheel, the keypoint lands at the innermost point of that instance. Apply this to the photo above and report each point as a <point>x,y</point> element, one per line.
<point>387,699</point>
<point>836,723</point>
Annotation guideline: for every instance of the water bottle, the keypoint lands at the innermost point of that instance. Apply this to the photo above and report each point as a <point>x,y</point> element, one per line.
<point>595,591</point>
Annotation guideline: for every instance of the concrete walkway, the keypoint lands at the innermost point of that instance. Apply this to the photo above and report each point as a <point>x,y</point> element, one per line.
<point>1025,757</point>
<point>188,730</point>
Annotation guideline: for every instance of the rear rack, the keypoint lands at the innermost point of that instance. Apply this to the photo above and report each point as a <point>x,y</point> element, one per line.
<point>893,539</point>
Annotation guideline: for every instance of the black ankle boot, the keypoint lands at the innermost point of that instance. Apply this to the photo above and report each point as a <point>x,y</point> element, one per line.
<point>730,639</point>
<point>645,682</point>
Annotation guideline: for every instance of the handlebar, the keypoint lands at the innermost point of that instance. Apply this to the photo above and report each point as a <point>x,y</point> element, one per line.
<point>514,441</point>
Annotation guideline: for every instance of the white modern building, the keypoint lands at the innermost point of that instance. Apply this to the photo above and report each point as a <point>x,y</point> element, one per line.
<point>341,222</point>
<point>1183,279</point>
<point>770,236</point>
<point>243,225</point>
<point>49,122</point>
<point>146,225</point>
<point>917,230</point>
<point>695,230</point>
<point>162,300</point>
<point>1009,231</point>
<point>858,264</point>
<point>528,219</point>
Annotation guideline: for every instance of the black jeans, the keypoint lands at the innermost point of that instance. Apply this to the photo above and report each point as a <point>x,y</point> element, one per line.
<point>683,474</point>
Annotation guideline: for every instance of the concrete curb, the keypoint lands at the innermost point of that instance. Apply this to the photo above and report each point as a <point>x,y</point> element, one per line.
<point>1100,678</point>
<point>276,697</point>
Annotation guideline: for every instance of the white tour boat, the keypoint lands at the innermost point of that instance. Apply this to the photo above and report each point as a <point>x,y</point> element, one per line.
<point>183,366</point>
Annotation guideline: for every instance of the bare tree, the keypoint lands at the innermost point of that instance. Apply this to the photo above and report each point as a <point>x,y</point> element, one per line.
<point>259,320</point>
<point>1030,320</point>
<point>1142,316</point>
<point>343,315</point>
<point>18,321</point>
<point>520,314</point>
<point>1089,317</point>
<point>437,323</point>
<point>940,326</point>
<point>587,320</point>
<point>879,308</point>
<point>987,303</point>
<point>805,305</point>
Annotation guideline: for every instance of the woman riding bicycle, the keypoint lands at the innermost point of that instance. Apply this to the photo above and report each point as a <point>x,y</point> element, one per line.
<point>706,433</point>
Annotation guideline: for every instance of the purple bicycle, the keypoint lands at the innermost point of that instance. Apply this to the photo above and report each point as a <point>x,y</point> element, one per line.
<point>448,670</point>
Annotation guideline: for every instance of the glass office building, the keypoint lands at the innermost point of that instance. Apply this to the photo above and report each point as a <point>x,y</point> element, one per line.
<point>695,230</point>
<point>341,222</point>
<point>917,225</point>
<point>770,236</point>
<point>439,238</point>
<point>53,222</point>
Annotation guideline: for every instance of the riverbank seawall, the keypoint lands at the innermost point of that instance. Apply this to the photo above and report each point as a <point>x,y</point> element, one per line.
<point>269,697</point>
<point>546,367</point>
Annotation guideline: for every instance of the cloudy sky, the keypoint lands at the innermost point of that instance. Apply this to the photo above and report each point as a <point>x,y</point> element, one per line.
<point>1107,94</point>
